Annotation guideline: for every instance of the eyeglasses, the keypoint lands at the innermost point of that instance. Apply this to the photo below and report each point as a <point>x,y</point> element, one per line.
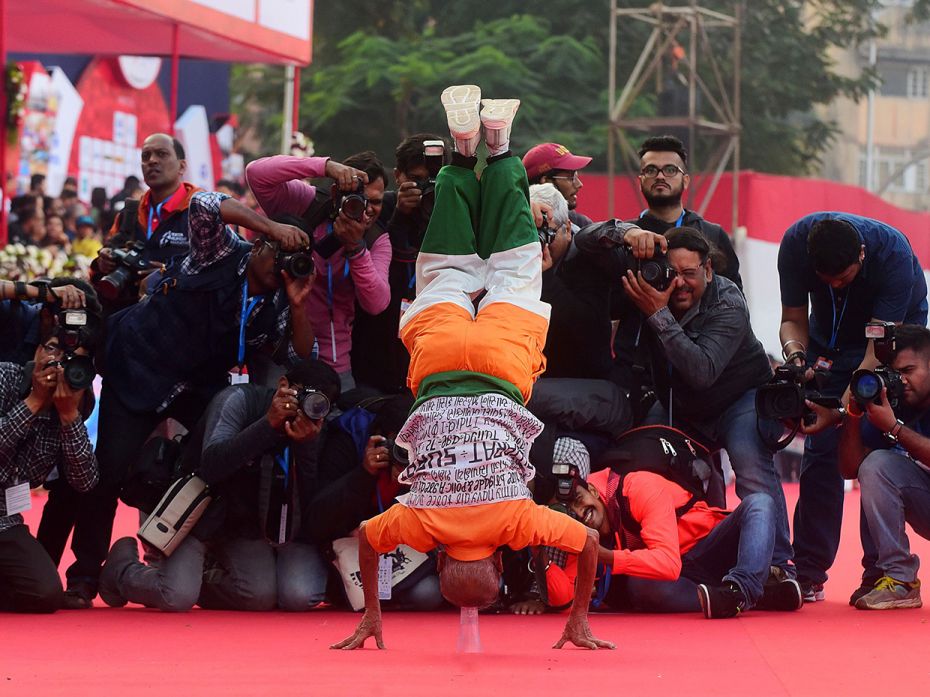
<point>573,177</point>
<point>692,274</point>
<point>668,171</point>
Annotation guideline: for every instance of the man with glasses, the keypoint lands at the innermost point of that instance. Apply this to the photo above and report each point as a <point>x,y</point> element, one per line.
<point>663,179</point>
<point>844,270</point>
<point>555,164</point>
<point>41,428</point>
<point>706,366</point>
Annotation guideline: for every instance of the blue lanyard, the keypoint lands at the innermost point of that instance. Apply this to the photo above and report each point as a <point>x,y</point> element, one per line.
<point>153,210</point>
<point>677,222</point>
<point>378,496</point>
<point>330,296</point>
<point>411,275</point>
<point>247,307</point>
<point>285,462</point>
<point>836,322</point>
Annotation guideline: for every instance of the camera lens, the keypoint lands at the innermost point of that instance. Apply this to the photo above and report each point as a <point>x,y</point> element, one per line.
<point>110,286</point>
<point>354,206</point>
<point>301,265</point>
<point>314,404</point>
<point>866,385</point>
<point>651,272</point>
<point>79,372</point>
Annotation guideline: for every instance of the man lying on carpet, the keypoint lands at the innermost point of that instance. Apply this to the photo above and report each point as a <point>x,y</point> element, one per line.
<point>666,546</point>
<point>469,434</point>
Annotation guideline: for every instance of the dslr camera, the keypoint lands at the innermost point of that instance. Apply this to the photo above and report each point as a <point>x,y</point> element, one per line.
<point>434,152</point>
<point>546,233</point>
<point>352,203</point>
<point>866,385</point>
<point>397,453</point>
<point>657,271</point>
<point>566,481</point>
<point>129,262</point>
<point>782,397</point>
<point>297,264</point>
<point>73,333</point>
<point>313,403</point>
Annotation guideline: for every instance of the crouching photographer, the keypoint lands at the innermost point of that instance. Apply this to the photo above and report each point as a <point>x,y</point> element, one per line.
<point>885,442</point>
<point>256,451</point>
<point>42,409</point>
<point>707,365</point>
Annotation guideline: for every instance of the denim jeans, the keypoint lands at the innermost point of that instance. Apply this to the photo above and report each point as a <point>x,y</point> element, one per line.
<point>894,490</point>
<point>753,463</point>
<point>818,515</point>
<point>241,574</point>
<point>738,549</point>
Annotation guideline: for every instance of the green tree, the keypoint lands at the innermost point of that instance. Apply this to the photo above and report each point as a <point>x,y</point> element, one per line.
<point>379,67</point>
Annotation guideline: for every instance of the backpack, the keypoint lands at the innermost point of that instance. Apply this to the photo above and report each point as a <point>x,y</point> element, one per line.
<point>672,454</point>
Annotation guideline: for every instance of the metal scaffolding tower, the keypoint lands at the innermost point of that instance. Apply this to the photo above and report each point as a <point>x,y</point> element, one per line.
<point>681,35</point>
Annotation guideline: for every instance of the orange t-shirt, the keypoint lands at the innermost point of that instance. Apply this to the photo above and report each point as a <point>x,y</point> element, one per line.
<point>470,533</point>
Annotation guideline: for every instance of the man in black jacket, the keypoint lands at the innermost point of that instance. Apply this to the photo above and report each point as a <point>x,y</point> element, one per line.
<point>227,562</point>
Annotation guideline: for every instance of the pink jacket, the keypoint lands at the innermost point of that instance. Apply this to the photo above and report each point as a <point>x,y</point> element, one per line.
<point>278,185</point>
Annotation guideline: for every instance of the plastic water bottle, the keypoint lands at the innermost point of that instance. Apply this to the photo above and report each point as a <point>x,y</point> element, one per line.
<point>469,637</point>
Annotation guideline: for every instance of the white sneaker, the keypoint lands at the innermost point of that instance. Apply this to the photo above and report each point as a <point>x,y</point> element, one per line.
<point>461,105</point>
<point>497,117</point>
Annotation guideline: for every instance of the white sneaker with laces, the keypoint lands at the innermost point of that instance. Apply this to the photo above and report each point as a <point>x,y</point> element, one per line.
<point>461,105</point>
<point>497,118</point>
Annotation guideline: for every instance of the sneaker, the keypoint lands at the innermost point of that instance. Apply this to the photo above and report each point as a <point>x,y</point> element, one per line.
<point>719,602</point>
<point>812,592</point>
<point>782,596</point>
<point>124,552</point>
<point>461,105</point>
<point>858,593</point>
<point>889,594</point>
<point>497,118</point>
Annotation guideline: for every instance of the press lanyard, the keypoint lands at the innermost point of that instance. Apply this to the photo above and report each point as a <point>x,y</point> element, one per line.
<point>330,301</point>
<point>378,496</point>
<point>677,222</point>
<point>285,462</point>
<point>602,586</point>
<point>247,307</point>
<point>836,322</point>
<point>153,211</point>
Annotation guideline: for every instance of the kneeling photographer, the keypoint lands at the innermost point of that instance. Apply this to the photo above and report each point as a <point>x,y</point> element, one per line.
<point>885,442</point>
<point>256,450</point>
<point>707,364</point>
<point>42,409</point>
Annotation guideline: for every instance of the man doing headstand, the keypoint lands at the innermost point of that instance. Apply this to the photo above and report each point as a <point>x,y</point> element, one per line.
<point>469,433</point>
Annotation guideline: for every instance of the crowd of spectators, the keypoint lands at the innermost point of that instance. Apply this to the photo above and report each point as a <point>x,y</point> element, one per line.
<point>296,282</point>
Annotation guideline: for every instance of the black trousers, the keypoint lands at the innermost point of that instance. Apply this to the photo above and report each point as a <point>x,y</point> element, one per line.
<point>29,581</point>
<point>121,433</point>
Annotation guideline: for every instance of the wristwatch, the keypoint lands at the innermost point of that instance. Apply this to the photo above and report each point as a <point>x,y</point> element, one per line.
<point>892,434</point>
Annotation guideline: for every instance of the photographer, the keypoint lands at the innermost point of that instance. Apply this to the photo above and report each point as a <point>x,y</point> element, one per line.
<point>160,225</point>
<point>41,428</point>
<point>20,309</point>
<point>847,270</point>
<point>381,360</point>
<point>227,562</point>
<point>677,554</point>
<point>706,366</point>
<point>886,449</point>
<point>168,356</point>
<point>350,249</point>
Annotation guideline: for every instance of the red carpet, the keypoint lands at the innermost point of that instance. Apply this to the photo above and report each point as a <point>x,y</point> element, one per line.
<point>825,649</point>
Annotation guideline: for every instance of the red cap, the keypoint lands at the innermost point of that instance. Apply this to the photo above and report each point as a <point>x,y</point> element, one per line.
<point>547,157</point>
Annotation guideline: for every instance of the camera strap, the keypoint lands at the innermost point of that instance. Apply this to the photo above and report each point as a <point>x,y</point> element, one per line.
<point>247,307</point>
<point>677,222</point>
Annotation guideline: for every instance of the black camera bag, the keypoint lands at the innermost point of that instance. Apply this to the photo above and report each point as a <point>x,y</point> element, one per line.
<point>672,454</point>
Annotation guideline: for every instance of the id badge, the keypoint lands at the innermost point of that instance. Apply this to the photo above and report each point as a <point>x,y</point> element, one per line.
<point>823,363</point>
<point>236,379</point>
<point>404,306</point>
<point>385,569</point>
<point>18,499</point>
